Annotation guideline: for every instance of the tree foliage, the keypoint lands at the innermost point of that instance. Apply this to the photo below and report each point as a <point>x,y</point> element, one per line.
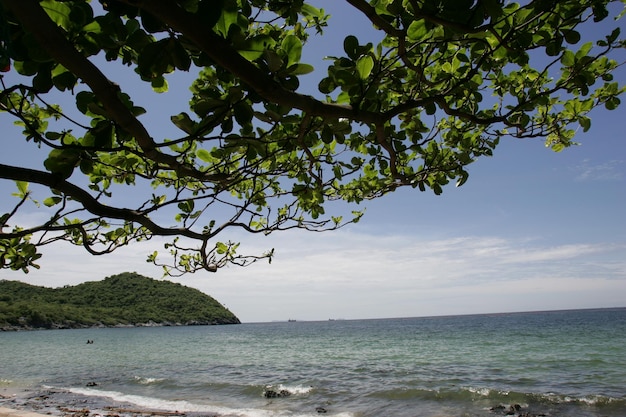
<point>126,299</point>
<point>447,81</point>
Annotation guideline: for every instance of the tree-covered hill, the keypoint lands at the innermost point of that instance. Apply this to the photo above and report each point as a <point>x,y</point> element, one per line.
<point>124,299</point>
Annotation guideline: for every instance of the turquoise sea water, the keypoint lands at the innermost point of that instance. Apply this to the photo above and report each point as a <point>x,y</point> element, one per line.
<point>565,363</point>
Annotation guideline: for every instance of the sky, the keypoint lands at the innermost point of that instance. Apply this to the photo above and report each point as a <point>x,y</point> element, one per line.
<point>530,230</point>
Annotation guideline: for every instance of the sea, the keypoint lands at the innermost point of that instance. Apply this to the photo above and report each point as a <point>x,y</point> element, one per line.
<point>558,363</point>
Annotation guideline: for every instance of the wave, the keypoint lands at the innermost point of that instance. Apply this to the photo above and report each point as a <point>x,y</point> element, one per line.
<point>498,397</point>
<point>182,406</point>
<point>592,400</point>
<point>147,381</point>
<point>286,390</point>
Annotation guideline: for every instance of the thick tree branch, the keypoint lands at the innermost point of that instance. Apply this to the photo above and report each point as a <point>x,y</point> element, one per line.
<point>222,53</point>
<point>93,206</point>
<point>375,18</point>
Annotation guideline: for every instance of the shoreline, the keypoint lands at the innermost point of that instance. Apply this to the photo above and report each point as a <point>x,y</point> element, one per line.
<point>45,402</point>
<point>78,326</point>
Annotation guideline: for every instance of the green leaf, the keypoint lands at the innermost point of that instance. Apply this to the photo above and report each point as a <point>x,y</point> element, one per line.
<point>81,14</point>
<point>274,61</point>
<point>62,162</point>
<point>292,47</point>
<point>221,248</point>
<point>364,66</point>
<point>351,46</point>
<point>151,23</point>
<point>83,99</point>
<point>103,135</point>
<point>43,81</point>
<point>567,59</point>
<point>155,59</point>
<point>584,50</point>
<point>64,81</point>
<point>585,123</point>
<point>53,135</point>
<point>463,178</point>
<point>159,84</point>
<point>180,57</point>
<point>186,206</point>
<point>254,48</point>
<point>612,103</point>
<point>571,36</point>
<point>326,86</point>
<point>308,10</point>
<point>22,187</point>
<point>227,18</point>
<point>417,30</point>
<point>51,201</point>
<point>204,155</point>
<point>243,113</point>
<point>184,122</point>
<point>59,12</point>
<point>86,166</point>
<point>300,69</point>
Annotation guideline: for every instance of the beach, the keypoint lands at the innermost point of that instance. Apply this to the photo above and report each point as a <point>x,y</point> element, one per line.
<point>45,403</point>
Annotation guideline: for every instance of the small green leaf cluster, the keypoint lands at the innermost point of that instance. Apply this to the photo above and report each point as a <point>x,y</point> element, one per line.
<point>18,254</point>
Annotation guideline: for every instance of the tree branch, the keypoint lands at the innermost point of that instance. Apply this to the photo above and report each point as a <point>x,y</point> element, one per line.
<point>375,18</point>
<point>222,53</point>
<point>52,39</point>
<point>93,206</point>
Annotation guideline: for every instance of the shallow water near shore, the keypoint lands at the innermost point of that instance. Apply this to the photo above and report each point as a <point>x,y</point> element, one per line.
<point>565,363</point>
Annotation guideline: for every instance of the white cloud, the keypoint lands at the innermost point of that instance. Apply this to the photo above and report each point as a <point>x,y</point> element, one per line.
<point>609,171</point>
<point>357,275</point>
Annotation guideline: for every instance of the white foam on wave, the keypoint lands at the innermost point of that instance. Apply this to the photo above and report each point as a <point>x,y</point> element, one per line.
<point>147,381</point>
<point>485,392</point>
<point>141,401</point>
<point>186,406</point>
<point>589,400</point>
<point>292,389</point>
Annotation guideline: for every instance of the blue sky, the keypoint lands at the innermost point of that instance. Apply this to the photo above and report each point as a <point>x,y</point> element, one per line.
<point>530,230</point>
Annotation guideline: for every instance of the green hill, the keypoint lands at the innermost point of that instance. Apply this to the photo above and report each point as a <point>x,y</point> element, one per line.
<point>127,299</point>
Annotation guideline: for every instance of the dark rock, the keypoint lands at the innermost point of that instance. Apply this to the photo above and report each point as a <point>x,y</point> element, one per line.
<point>270,393</point>
<point>321,410</point>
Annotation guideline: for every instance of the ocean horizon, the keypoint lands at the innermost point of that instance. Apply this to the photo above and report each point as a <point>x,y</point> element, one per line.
<point>430,316</point>
<point>551,363</point>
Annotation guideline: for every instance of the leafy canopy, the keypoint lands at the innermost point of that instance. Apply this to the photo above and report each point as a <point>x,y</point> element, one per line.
<point>447,81</point>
